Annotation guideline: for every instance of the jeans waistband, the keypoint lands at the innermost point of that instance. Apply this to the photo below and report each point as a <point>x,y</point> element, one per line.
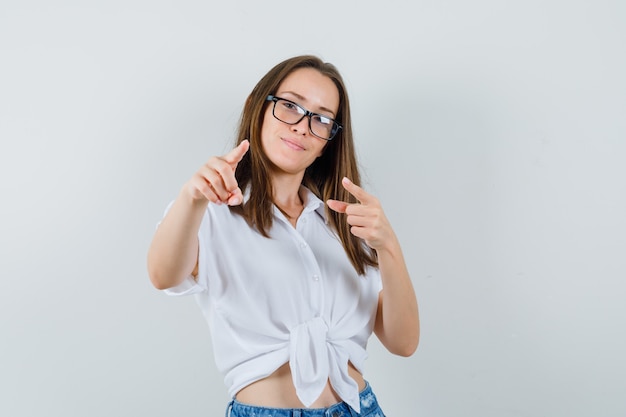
<point>367,398</point>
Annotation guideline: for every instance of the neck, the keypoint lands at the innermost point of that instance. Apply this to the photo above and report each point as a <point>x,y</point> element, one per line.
<point>287,194</point>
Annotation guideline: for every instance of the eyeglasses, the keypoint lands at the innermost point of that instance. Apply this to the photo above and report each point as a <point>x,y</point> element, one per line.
<point>291,113</point>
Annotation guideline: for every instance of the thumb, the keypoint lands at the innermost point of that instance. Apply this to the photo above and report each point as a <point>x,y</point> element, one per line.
<point>338,206</point>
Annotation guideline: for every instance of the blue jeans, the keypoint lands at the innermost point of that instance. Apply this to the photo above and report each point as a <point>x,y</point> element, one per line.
<point>369,408</point>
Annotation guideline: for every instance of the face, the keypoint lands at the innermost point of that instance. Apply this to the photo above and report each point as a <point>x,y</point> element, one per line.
<point>292,148</point>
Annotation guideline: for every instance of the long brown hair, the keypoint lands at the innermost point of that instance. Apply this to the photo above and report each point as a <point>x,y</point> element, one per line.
<point>323,177</point>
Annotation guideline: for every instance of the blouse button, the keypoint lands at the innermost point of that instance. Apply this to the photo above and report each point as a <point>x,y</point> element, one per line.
<point>303,245</point>
<point>316,278</point>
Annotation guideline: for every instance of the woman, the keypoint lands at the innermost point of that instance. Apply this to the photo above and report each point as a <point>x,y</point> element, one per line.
<point>291,288</point>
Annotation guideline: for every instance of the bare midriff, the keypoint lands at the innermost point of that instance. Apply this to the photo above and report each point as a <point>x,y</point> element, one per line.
<point>278,391</point>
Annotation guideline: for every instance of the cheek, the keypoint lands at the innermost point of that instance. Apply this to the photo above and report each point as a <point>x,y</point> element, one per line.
<point>322,149</point>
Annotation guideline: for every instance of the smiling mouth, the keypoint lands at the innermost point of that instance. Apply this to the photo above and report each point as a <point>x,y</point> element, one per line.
<point>293,145</point>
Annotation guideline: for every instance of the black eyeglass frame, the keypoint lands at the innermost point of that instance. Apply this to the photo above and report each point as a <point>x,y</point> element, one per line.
<point>307,113</point>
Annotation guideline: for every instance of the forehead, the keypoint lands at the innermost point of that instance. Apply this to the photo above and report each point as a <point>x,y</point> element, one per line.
<point>312,88</point>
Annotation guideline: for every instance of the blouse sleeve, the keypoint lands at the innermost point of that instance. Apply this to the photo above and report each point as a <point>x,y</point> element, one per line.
<point>374,274</point>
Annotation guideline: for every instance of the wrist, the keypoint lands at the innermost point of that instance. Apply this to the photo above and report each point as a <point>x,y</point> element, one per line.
<point>390,248</point>
<point>193,198</point>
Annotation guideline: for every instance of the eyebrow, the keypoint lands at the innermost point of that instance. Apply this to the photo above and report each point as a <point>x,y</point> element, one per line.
<point>299,97</point>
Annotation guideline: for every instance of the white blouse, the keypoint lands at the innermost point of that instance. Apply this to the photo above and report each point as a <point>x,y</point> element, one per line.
<point>294,297</point>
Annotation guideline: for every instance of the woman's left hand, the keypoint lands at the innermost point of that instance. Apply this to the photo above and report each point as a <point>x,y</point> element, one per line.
<point>366,217</point>
<point>397,319</point>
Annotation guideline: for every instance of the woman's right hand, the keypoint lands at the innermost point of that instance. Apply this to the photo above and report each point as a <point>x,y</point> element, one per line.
<point>215,181</point>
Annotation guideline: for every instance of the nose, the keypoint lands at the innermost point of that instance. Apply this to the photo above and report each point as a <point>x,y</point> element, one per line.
<point>302,127</point>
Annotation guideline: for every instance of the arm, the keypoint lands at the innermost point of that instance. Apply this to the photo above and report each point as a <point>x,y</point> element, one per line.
<point>397,319</point>
<point>173,253</point>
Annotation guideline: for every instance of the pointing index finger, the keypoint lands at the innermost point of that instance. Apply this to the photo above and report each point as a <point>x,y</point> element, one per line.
<point>234,156</point>
<point>355,190</point>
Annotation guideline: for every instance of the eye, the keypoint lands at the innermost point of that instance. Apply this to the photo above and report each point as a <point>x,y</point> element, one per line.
<point>323,120</point>
<point>291,107</point>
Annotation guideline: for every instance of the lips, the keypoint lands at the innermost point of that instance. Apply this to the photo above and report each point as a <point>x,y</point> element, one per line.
<point>293,144</point>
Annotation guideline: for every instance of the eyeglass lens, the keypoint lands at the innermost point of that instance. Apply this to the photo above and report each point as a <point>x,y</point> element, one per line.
<point>291,113</point>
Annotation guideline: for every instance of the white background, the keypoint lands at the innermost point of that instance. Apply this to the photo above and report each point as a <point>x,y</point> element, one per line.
<point>494,133</point>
